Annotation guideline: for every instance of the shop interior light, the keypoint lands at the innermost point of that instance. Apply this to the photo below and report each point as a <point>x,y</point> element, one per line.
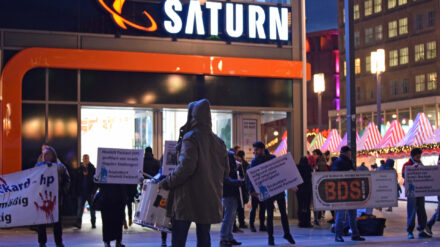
<point>318,83</point>
<point>275,133</point>
<point>394,116</point>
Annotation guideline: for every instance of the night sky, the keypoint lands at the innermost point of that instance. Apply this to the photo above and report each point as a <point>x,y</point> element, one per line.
<point>321,15</point>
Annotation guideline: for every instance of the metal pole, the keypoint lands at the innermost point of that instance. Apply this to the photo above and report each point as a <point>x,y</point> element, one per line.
<point>350,79</point>
<point>304,73</point>
<point>320,111</point>
<point>378,100</point>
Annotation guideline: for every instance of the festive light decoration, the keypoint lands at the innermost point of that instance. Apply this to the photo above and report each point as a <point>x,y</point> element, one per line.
<point>433,147</point>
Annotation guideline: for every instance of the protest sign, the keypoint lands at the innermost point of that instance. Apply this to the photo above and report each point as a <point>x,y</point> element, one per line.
<point>29,197</point>
<point>169,161</point>
<point>354,190</point>
<point>274,176</point>
<point>422,181</point>
<point>119,166</point>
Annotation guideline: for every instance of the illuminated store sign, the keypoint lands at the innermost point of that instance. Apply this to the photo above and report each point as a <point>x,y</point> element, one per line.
<point>221,20</point>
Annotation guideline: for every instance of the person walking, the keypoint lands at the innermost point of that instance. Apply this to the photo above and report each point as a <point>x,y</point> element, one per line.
<point>243,165</point>
<point>86,189</point>
<point>304,193</point>
<point>344,163</point>
<point>50,158</point>
<point>436,216</point>
<point>231,199</point>
<point>196,184</point>
<point>262,155</point>
<point>132,192</point>
<point>415,205</point>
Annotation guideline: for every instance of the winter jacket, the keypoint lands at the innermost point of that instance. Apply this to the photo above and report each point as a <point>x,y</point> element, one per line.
<point>85,186</point>
<point>306,173</point>
<point>258,161</point>
<point>63,177</point>
<point>231,183</point>
<point>342,164</point>
<point>196,184</point>
<point>410,163</point>
<point>321,164</point>
<point>151,165</point>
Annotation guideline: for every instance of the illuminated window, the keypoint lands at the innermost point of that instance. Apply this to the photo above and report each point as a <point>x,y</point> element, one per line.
<point>378,32</point>
<point>404,56</point>
<point>368,7</point>
<point>392,29</point>
<point>432,81</point>
<point>393,58</point>
<point>357,39</point>
<point>345,68</point>
<point>357,66</point>
<point>431,18</point>
<point>402,2</point>
<point>356,14</point>
<point>431,50</point>
<point>420,83</point>
<point>368,64</point>
<point>343,15</point>
<point>403,26</point>
<point>391,4</point>
<point>368,35</point>
<point>419,52</point>
<point>377,6</point>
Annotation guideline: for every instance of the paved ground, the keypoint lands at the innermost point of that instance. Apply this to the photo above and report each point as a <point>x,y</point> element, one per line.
<point>137,236</point>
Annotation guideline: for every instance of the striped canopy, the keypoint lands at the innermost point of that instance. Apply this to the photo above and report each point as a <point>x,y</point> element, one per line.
<point>317,142</point>
<point>435,138</point>
<point>282,148</point>
<point>370,138</point>
<point>394,134</point>
<point>419,133</point>
<point>332,142</point>
<point>344,141</point>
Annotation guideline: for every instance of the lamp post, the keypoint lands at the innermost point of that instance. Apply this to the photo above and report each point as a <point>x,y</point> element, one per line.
<point>377,68</point>
<point>319,88</point>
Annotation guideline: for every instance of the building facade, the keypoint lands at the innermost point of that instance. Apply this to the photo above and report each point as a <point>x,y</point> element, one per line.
<point>408,32</point>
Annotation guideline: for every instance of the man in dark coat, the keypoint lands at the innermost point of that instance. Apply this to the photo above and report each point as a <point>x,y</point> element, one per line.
<point>344,163</point>
<point>262,155</point>
<point>151,165</point>
<point>86,189</point>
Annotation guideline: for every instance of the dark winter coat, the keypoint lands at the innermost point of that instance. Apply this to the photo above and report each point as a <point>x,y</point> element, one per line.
<point>342,164</point>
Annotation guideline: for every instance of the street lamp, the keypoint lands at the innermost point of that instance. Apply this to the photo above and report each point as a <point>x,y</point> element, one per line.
<point>377,68</point>
<point>319,88</point>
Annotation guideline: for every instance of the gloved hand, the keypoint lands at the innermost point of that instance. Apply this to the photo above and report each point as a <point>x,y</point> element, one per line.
<point>163,184</point>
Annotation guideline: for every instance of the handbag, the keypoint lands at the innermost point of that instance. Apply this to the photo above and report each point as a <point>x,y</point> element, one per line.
<point>98,201</point>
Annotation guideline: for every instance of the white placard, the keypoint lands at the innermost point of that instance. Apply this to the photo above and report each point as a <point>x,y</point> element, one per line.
<point>119,166</point>
<point>274,176</point>
<point>169,161</point>
<point>354,190</point>
<point>422,181</point>
<point>29,197</point>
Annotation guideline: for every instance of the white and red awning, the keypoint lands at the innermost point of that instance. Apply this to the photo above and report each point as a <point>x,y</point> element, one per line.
<point>394,134</point>
<point>435,138</point>
<point>344,141</point>
<point>370,138</point>
<point>282,147</point>
<point>419,132</point>
<point>332,142</point>
<point>317,142</point>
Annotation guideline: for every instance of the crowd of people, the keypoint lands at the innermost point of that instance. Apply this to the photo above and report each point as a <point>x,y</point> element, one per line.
<point>210,185</point>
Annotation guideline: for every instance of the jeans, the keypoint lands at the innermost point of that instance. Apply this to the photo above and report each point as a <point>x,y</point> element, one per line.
<point>341,218</point>
<point>436,215</point>
<point>262,215</point>
<point>180,233</point>
<point>281,201</point>
<point>81,202</point>
<point>57,233</point>
<point>229,210</point>
<point>415,205</point>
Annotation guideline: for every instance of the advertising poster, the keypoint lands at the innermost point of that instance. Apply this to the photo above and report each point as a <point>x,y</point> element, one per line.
<point>274,176</point>
<point>422,181</point>
<point>169,161</point>
<point>249,137</point>
<point>354,190</point>
<point>119,166</point>
<point>29,197</point>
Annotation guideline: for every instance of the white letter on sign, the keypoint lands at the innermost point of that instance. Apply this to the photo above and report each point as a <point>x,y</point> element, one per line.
<point>256,22</point>
<point>279,25</point>
<point>238,30</point>
<point>170,7</point>
<point>214,7</point>
<point>194,14</point>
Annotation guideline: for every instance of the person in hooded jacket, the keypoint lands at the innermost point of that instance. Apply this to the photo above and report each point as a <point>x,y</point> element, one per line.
<point>196,184</point>
<point>151,165</point>
<point>304,193</point>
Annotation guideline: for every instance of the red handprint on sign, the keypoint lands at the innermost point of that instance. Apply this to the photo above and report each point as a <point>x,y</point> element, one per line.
<point>48,205</point>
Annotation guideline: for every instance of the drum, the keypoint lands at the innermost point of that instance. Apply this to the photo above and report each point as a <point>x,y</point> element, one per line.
<point>151,210</point>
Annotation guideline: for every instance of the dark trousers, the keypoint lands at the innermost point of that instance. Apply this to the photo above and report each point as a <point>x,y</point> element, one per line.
<point>281,201</point>
<point>436,215</point>
<point>57,233</point>
<point>304,201</point>
<point>254,205</point>
<point>130,210</point>
<point>81,202</point>
<point>240,214</point>
<point>180,233</point>
<point>415,206</point>
<point>163,236</point>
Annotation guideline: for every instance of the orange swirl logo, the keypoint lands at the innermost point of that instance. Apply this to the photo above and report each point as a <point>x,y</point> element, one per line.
<point>122,22</point>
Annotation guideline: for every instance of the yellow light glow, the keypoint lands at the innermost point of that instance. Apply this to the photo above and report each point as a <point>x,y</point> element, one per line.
<point>175,84</point>
<point>318,83</point>
<point>149,98</point>
<point>378,61</point>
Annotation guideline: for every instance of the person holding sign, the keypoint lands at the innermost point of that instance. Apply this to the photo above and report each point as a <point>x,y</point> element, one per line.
<point>196,184</point>
<point>262,155</point>
<point>50,158</point>
<point>415,205</point>
<point>344,163</point>
<point>436,216</point>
